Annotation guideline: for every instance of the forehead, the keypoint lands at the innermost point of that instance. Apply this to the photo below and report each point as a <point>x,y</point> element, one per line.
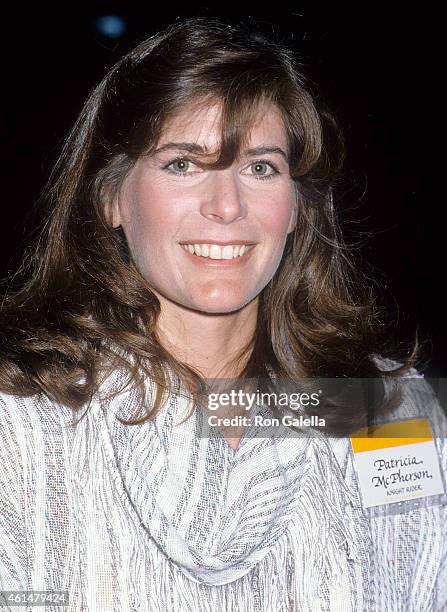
<point>202,124</point>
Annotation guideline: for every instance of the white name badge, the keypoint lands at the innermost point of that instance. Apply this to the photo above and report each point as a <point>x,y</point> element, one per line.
<point>396,462</point>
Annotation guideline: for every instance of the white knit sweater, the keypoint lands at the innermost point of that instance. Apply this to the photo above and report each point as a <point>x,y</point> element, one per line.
<point>154,518</point>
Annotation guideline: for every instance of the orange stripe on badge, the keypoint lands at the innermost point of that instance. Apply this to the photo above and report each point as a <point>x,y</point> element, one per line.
<point>391,434</point>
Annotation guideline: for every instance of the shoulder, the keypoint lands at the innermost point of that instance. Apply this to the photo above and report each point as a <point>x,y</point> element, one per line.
<point>36,410</point>
<point>32,429</point>
<point>419,398</point>
<point>34,460</point>
<point>36,437</point>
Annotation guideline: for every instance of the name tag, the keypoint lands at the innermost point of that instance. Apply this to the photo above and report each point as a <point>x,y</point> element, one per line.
<point>396,462</point>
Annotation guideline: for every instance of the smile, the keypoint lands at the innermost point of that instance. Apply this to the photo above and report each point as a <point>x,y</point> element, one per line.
<point>215,251</point>
<point>218,257</point>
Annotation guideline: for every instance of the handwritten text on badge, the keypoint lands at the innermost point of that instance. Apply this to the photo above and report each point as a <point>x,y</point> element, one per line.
<point>396,462</point>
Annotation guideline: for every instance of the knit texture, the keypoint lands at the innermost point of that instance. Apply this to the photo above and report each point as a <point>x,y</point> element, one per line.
<point>156,518</point>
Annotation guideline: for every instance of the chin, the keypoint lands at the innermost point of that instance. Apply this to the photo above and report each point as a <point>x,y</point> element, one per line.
<point>220,306</point>
<point>217,309</point>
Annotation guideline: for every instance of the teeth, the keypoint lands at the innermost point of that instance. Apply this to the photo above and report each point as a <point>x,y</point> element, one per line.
<point>215,251</point>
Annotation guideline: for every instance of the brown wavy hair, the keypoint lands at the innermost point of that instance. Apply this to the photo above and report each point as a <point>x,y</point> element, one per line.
<point>83,308</point>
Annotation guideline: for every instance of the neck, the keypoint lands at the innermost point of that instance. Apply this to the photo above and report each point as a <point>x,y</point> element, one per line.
<point>207,342</point>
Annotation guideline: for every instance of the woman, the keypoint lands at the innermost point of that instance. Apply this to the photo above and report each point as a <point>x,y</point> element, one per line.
<point>191,237</point>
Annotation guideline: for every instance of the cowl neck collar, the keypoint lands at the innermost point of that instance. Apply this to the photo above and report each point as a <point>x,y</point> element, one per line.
<point>216,512</point>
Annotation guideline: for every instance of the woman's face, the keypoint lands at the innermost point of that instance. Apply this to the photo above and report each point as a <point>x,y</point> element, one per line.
<point>168,200</point>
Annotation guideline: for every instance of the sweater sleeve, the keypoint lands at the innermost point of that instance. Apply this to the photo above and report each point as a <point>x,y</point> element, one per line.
<point>13,557</point>
<point>436,412</point>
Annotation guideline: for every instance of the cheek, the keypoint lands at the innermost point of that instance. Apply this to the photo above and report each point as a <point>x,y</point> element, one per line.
<point>277,220</point>
<point>138,230</point>
<point>145,219</point>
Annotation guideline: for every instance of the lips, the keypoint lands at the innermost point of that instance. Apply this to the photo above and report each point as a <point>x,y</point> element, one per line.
<point>219,242</point>
<point>218,262</point>
<point>216,251</point>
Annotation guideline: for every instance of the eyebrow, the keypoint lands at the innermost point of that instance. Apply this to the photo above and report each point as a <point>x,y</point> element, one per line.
<point>192,147</point>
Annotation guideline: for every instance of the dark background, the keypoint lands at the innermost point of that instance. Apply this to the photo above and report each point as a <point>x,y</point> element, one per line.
<point>378,70</point>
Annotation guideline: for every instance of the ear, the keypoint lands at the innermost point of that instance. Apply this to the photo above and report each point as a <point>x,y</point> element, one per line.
<point>112,212</point>
<point>293,219</point>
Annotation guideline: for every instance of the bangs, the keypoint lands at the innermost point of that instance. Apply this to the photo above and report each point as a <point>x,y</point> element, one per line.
<point>238,115</point>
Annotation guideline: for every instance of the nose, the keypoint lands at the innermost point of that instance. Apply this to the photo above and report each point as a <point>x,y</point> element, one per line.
<point>222,199</point>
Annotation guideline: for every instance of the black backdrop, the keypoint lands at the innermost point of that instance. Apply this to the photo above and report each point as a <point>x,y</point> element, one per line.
<point>379,71</point>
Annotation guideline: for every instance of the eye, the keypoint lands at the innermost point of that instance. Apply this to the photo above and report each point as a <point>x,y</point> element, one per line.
<point>259,165</point>
<point>182,164</point>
